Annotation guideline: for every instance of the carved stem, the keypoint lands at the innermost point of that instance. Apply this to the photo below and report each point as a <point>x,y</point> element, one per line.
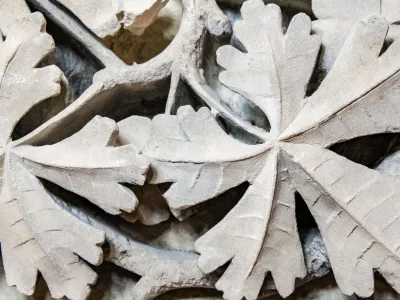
<point>78,31</point>
<point>205,92</point>
<point>184,54</point>
<point>188,63</point>
<point>161,270</point>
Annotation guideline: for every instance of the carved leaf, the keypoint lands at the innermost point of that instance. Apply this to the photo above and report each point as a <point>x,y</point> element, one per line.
<point>152,209</point>
<point>356,208</point>
<point>355,9</point>
<point>368,106</point>
<point>38,235</point>
<point>358,213</point>
<point>267,74</point>
<point>161,270</point>
<point>34,226</point>
<point>259,235</point>
<point>391,10</point>
<point>10,11</point>
<point>186,149</point>
<point>264,221</point>
<point>106,17</point>
<point>336,18</point>
<point>89,165</point>
<point>26,45</point>
<point>173,143</point>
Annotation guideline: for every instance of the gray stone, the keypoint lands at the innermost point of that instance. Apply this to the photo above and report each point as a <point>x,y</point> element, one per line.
<point>316,257</point>
<point>242,136</point>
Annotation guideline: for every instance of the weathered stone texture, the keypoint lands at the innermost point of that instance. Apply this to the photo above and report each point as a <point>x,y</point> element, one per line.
<point>199,149</point>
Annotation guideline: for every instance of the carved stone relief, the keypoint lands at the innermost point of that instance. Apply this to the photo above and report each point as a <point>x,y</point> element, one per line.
<point>197,149</point>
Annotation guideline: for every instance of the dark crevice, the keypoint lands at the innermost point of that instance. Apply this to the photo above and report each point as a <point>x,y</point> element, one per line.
<point>202,218</point>
<point>164,187</point>
<point>191,293</point>
<point>39,114</point>
<point>235,102</point>
<point>222,123</point>
<point>304,218</point>
<point>74,201</point>
<point>112,279</point>
<point>313,245</point>
<point>134,104</point>
<point>211,212</point>
<point>79,67</point>
<point>60,36</point>
<point>237,132</point>
<point>77,63</point>
<point>317,76</point>
<point>368,150</point>
<point>184,95</point>
<point>41,288</point>
<point>385,46</point>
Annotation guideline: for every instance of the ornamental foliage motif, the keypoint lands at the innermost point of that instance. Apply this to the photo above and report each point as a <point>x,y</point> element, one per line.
<point>201,147</point>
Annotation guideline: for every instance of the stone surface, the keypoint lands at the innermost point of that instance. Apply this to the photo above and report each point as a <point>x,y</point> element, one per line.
<point>106,17</point>
<point>36,234</point>
<point>336,18</point>
<point>316,257</point>
<point>10,11</point>
<point>390,165</point>
<point>185,143</point>
<point>199,200</point>
<point>138,49</point>
<point>78,70</point>
<point>20,75</point>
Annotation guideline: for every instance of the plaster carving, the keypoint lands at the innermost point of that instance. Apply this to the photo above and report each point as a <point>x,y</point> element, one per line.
<point>135,169</point>
<point>336,18</point>
<point>111,15</point>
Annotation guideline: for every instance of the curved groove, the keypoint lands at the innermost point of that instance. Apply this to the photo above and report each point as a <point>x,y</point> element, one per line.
<point>198,18</point>
<point>161,270</point>
<point>212,99</point>
<point>138,77</point>
<point>73,28</point>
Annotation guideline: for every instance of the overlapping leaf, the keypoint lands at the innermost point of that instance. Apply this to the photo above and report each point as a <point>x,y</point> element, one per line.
<point>357,211</point>
<point>336,18</point>
<point>268,73</point>
<point>37,235</point>
<point>340,111</point>
<point>89,165</point>
<point>26,45</point>
<point>152,207</point>
<point>48,238</point>
<point>259,235</point>
<point>193,152</point>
